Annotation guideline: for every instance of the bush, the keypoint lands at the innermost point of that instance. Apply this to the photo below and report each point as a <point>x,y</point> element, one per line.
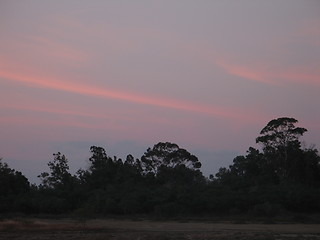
<point>266,209</point>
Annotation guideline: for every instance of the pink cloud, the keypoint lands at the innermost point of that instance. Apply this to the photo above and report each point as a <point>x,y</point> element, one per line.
<point>246,72</point>
<point>275,76</point>
<point>88,90</point>
<point>302,77</point>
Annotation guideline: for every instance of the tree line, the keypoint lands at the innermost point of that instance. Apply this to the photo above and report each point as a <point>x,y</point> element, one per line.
<point>166,181</point>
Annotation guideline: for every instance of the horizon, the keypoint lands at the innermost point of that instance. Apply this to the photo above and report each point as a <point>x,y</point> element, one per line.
<point>36,180</point>
<point>126,75</point>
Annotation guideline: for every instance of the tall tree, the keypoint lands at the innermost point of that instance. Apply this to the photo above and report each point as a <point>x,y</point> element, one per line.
<point>280,141</point>
<point>280,133</point>
<point>103,170</point>
<point>59,175</point>
<point>99,158</point>
<point>167,155</point>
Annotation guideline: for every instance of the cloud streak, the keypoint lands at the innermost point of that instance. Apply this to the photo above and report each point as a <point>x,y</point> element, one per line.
<point>276,77</point>
<point>105,93</point>
<point>244,72</point>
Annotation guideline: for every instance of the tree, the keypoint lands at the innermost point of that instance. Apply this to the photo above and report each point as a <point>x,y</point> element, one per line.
<point>250,170</point>
<point>103,169</point>
<point>11,181</point>
<point>307,168</point>
<point>13,188</point>
<point>247,166</point>
<point>167,155</point>
<point>99,158</point>
<point>281,145</point>
<point>59,175</point>
<point>280,133</point>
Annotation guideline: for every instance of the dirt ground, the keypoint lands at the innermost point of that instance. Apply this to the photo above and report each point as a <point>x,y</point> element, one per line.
<point>36,229</point>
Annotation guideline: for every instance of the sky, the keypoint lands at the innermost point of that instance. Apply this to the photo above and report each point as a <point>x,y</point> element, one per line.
<point>125,75</point>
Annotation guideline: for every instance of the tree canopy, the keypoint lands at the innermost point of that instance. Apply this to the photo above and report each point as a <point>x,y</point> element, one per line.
<point>280,133</point>
<point>166,181</point>
<point>59,172</point>
<point>166,154</point>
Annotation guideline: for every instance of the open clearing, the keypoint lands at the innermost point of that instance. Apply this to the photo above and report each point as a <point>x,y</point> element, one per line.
<point>106,229</point>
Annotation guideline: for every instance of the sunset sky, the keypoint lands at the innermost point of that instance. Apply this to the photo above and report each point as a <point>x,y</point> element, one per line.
<point>124,75</point>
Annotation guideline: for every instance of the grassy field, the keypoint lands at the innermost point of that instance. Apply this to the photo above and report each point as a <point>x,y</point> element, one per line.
<point>105,229</point>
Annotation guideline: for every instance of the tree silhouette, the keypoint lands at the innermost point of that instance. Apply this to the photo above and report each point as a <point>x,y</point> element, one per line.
<point>280,133</point>
<point>59,175</point>
<point>167,182</point>
<point>13,186</point>
<point>167,155</point>
<point>281,145</point>
<point>12,181</point>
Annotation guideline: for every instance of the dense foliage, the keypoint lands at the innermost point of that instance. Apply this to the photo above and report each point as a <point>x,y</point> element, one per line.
<point>166,181</point>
